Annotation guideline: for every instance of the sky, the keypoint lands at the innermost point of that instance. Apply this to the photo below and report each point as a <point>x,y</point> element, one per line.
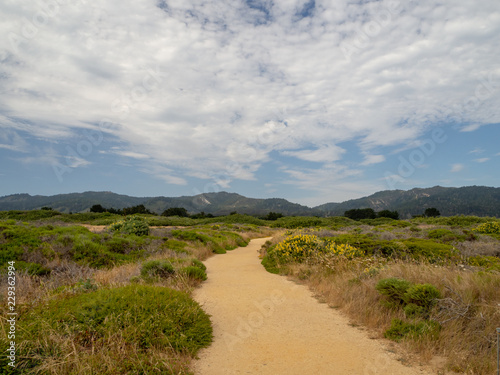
<point>309,100</point>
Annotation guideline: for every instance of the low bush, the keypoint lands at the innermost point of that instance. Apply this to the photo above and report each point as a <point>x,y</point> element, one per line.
<point>424,295</point>
<point>194,236</point>
<point>176,246</point>
<point>157,268</point>
<point>414,311</point>
<point>199,264</point>
<point>492,227</point>
<point>400,330</point>
<point>294,222</point>
<point>32,269</point>
<point>343,250</point>
<point>394,289</point>
<point>194,273</point>
<point>94,254</point>
<point>296,248</point>
<point>131,225</point>
<point>428,250</point>
<point>445,235</point>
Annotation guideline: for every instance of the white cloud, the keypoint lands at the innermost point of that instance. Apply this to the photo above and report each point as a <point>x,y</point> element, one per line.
<point>470,128</point>
<point>199,87</point>
<point>325,153</point>
<point>457,168</point>
<point>477,150</point>
<point>373,159</point>
<point>481,160</point>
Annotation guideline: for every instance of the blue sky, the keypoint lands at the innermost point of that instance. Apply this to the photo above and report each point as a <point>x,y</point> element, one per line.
<point>313,101</point>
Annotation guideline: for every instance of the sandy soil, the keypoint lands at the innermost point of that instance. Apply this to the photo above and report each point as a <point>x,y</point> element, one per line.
<point>266,324</point>
<point>94,228</point>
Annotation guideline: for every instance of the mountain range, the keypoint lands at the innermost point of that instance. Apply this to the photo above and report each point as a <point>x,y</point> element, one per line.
<point>469,200</point>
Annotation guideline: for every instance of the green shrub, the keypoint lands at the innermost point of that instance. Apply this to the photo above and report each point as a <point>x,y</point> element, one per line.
<point>293,222</point>
<point>366,244</point>
<point>194,273</point>
<point>378,221</point>
<point>422,295</point>
<point>394,289</point>
<point>157,268</point>
<point>177,246</point>
<point>422,249</point>
<point>94,254</point>
<point>270,264</point>
<point>32,215</point>
<point>400,330</point>
<point>199,264</point>
<point>33,269</point>
<point>143,316</point>
<point>445,235</point>
<point>118,245</point>
<point>191,235</point>
<point>413,311</point>
<point>131,225</point>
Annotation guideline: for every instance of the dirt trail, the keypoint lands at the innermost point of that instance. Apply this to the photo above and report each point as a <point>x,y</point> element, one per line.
<point>265,324</point>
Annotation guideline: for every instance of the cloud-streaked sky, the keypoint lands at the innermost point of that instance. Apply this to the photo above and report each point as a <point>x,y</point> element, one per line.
<point>313,101</point>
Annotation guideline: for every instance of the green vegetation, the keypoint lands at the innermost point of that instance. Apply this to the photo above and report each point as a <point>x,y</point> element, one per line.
<point>141,319</point>
<point>112,302</point>
<point>194,273</point>
<point>199,264</point>
<point>157,268</point>
<point>492,227</point>
<point>394,289</point>
<point>216,239</point>
<point>131,225</point>
<point>400,330</point>
<point>429,282</point>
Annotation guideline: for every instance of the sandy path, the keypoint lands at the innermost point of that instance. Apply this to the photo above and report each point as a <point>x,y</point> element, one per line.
<point>266,324</point>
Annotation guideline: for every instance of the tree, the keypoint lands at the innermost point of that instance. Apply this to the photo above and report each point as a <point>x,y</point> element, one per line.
<point>432,212</point>
<point>139,209</point>
<point>97,208</point>
<point>273,216</point>
<point>360,213</point>
<point>390,214</point>
<point>175,211</point>
<point>201,215</point>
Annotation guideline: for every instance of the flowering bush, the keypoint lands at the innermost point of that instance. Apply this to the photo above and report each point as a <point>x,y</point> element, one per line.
<point>493,227</point>
<point>302,246</point>
<point>296,247</point>
<point>344,250</point>
<point>131,225</point>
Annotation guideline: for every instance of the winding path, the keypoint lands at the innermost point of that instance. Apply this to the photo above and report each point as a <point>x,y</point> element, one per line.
<point>265,324</point>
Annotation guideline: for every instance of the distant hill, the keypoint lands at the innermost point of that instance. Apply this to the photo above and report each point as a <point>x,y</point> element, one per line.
<point>211,203</point>
<point>470,200</point>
